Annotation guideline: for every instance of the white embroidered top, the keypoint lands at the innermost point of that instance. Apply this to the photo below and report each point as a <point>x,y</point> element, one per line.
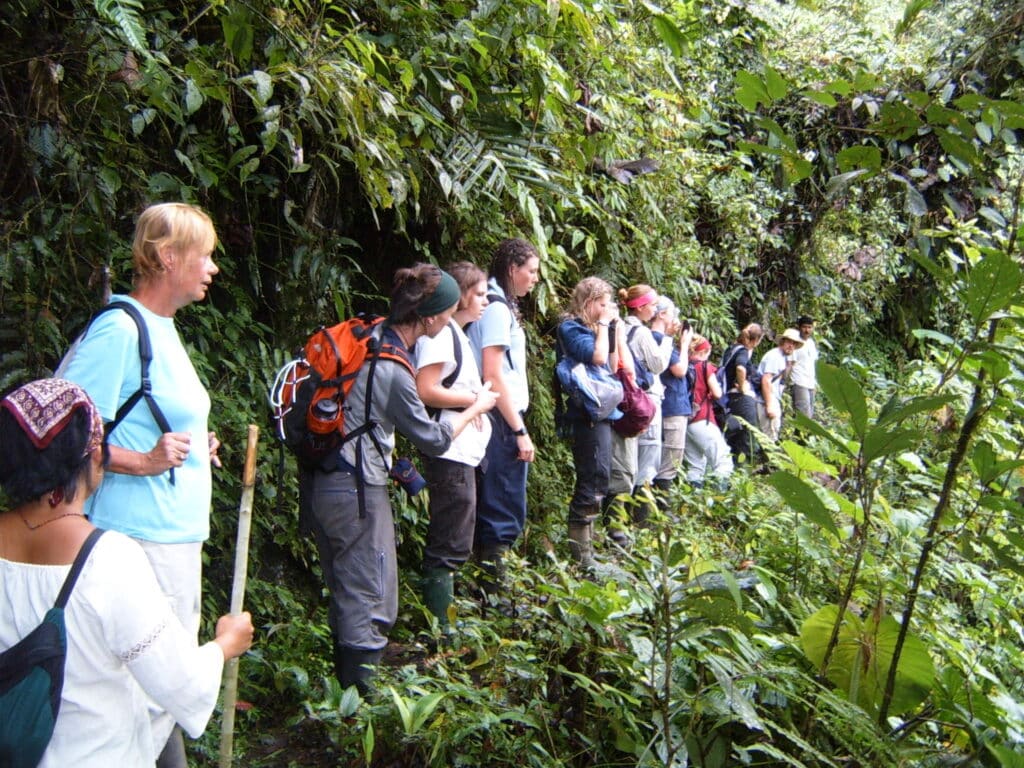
<point>125,650</point>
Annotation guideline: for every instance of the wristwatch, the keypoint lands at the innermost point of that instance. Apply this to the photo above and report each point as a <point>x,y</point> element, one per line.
<point>520,432</point>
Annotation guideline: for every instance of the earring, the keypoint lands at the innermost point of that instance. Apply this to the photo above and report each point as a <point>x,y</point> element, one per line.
<point>56,497</point>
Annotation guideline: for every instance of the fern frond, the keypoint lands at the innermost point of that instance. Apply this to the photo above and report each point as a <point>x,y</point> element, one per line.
<point>126,16</point>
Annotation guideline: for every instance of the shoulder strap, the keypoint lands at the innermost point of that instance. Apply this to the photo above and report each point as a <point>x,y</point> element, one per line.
<point>497,298</point>
<point>145,390</point>
<point>733,351</point>
<point>457,350</point>
<point>76,567</point>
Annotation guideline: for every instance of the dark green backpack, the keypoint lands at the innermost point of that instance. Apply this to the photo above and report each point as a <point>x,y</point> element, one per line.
<point>32,677</point>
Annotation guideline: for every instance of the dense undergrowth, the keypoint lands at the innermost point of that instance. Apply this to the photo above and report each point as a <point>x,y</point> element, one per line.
<point>855,161</point>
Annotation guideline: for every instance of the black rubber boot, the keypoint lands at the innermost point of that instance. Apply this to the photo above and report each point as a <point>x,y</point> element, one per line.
<point>494,567</point>
<point>662,488</point>
<point>356,666</point>
<point>644,507</point>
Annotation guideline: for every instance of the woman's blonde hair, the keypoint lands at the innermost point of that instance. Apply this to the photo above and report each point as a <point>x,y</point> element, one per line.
<point>587,290</point>
<point>177,225</point>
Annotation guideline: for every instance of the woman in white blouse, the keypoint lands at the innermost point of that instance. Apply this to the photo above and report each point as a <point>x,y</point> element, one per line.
<point>124,644</point>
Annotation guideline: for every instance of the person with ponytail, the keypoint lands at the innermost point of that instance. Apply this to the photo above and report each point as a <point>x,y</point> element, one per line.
<point>351,510</point>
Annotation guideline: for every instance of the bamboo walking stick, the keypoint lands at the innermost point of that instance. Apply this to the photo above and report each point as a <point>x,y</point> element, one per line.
<point>227,731</point>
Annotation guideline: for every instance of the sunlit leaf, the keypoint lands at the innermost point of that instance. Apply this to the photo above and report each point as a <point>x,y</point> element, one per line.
<point>775,84</point>
<point>863,655</point>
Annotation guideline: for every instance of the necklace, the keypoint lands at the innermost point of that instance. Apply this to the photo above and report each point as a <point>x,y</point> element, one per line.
<point>32,527</point>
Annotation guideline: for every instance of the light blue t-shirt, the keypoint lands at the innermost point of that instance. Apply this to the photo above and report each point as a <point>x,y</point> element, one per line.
<point>105,363</point>
<point>498,328</point>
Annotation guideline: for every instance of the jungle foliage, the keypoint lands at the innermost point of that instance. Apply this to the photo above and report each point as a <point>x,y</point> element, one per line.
<point>857,161</point>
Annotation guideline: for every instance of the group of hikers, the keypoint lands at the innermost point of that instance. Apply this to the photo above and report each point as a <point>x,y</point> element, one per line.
<point>703,418</point>
<point>119,440</point>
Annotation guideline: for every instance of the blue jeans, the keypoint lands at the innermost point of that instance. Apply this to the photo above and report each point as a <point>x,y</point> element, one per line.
<point>500,489</point>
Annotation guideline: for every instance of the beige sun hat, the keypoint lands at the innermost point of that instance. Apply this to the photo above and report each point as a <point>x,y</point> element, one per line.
<point>793,335</point>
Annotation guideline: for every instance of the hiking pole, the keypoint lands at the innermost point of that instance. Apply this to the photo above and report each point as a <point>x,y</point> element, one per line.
<point>227,730</point>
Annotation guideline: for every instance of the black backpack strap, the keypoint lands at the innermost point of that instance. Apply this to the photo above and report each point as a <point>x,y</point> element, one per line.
<point>497,298</point>
<point>374,348</point>
<point>76,567</point>
<point>447,381</point>
<point>457,350</point>
<point>145,390</point>
<point>728,358</point>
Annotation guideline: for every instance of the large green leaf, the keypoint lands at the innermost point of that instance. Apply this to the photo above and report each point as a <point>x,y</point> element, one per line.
<point>815,428</point>
<point>994,281</point>
<point>886,440</point>
<point>863,655</point>
<point>802,499</point>
<point>852,158</point>
<point>845,394</point>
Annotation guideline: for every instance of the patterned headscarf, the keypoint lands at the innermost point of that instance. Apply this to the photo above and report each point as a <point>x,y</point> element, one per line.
<point>44,408</point>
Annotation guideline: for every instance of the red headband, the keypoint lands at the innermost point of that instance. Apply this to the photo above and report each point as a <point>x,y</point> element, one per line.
<point>642,301</point>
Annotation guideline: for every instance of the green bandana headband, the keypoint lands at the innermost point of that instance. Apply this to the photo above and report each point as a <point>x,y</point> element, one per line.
<point>445,296</point>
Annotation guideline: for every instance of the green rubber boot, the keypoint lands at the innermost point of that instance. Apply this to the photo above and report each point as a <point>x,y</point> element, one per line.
<point>438,592</point>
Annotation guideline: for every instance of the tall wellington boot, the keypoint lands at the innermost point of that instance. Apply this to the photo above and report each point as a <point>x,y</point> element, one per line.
<point>644,507</point>
<point>356,666</point>
<point>494,567</point>
<point>662,488</point>
<point>438,592</point>
<point>581,543</point>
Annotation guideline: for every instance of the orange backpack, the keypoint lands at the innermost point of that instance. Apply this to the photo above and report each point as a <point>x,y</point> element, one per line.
<point>307,398</point>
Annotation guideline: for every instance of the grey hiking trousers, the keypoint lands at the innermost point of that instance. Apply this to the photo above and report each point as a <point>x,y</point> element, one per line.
<point>357,555</point>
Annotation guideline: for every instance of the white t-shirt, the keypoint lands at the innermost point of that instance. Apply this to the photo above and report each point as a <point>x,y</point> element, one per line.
<point>804,360</point>
<point>773,365</point>
<point>124,648</point>
<point>471,445</point>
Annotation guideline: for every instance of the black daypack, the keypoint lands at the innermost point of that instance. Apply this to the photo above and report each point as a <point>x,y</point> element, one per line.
<point>145,390</point>
<point>32,678</point>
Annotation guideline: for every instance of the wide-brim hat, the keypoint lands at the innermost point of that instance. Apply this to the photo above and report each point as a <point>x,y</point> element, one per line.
<point>793,335</point>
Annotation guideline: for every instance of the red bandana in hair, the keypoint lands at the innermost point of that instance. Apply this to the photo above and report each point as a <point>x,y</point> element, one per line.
<point>43,409</point>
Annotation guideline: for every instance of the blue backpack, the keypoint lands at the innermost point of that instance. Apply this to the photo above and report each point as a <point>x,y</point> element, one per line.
<point>32,678</point>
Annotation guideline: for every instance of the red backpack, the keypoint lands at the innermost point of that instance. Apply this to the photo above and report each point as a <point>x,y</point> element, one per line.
<point>307,398</point>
